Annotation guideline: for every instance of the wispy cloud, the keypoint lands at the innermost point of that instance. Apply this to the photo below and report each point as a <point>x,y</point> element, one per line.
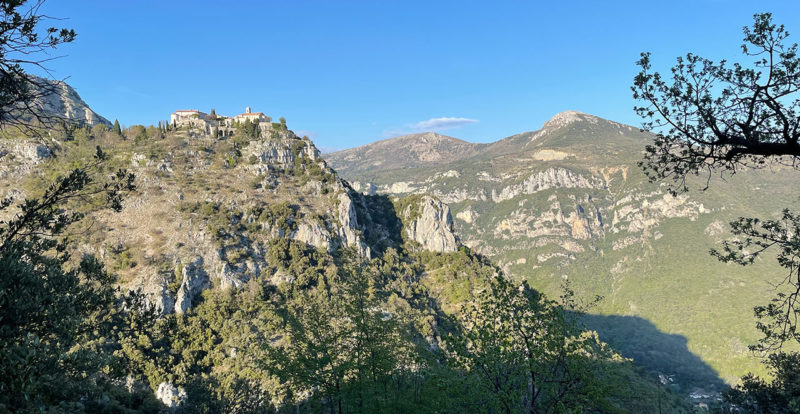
<point>441,124</point>
<point>429,125</point>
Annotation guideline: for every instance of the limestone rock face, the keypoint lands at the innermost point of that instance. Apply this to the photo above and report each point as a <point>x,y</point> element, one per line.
<point>59,101</point>
<point>365,187</point>
<point>313,234</point>
<point>195,280</point>
<point>550,178</point>
<point>32,152</point>
<point>25,154</point>
<point>170,395</point>
<point>268,152</point>
<point>346,213</point>
<point>431,226</point>
<point>155,290</point>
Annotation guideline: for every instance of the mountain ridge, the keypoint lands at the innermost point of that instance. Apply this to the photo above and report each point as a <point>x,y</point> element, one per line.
<point>404,152</point>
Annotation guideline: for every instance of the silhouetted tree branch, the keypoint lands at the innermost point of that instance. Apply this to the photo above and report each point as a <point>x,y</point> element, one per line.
<point>25,44</point>
<point>719,117</point>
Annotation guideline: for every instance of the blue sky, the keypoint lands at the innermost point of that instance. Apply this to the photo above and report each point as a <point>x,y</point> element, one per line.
<point>347,73</point>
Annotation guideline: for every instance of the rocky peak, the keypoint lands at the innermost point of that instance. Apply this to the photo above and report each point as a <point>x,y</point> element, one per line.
<point>58,100</point>
<point>565,118</point>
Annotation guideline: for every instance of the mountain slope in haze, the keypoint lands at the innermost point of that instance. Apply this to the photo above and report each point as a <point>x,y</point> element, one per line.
<point>408,151</point>
<point>568,202</point>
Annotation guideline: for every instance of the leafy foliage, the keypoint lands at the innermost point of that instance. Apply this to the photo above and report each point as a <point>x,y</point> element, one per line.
<point>530,357</point>
<point>712,116</point>
<point>780,395</point>
<point>754,120</point>
<point>57,316</point>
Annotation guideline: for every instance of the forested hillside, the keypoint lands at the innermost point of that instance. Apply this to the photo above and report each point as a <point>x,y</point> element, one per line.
<point>251,278</point>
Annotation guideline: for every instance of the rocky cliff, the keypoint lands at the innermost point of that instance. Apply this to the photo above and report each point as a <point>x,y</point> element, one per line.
<point>215,212</point>
<point>428,222</point>
<point>57,101</point>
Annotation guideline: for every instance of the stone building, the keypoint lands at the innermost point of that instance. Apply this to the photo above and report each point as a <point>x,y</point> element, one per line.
<point>251,116</point>
<point>185,116</point>
<point>224,125</point>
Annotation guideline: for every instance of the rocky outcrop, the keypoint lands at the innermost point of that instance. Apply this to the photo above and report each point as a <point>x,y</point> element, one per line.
<point>313,234</point>
<point>348,225</point>
<point>429,223</point>
<point>468,215</point>
<point>21,157</point>
<point>365,188</point>
<point>155,290</point>
<point>195,280</point>
<point>640,212</point>
<point>271,152</point>
<point>170,395</point>
<point>550,178</point>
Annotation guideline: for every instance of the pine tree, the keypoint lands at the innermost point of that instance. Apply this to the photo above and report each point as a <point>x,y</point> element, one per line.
<point>117,129</point>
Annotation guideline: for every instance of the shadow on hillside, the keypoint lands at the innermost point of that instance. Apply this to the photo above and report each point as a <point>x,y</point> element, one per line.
<point>656,351</point>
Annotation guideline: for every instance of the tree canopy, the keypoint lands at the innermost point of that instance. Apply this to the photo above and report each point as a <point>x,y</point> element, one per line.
<point>714,117</point>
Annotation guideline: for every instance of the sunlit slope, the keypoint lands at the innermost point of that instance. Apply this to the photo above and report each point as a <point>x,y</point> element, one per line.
<point>568,202</point>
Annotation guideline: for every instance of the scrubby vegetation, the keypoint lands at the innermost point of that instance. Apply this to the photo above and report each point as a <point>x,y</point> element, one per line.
<point>315,330</point>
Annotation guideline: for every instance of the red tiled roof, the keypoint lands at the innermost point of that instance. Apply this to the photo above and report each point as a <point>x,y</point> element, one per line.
<point>251,113</point>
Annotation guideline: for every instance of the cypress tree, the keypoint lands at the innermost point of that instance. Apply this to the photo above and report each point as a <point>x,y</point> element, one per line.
<point>117,130</point>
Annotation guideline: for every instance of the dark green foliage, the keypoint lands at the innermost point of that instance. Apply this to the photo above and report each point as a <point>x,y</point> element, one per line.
<point>410,203</point>
<point>778,319</point>
<point>280,215</point>
<point>57,314</point>
<point>248,130</point>
<point>123,258</point>
<point>780,395</point>
<point>116,129</point>
<point>527,353</point>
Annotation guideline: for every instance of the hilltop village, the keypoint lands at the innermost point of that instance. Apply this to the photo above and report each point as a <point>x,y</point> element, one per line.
<point>224,125</point>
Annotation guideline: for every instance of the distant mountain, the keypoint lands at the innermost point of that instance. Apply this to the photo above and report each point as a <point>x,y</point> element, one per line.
<point>408,151</point>
<point>59,101</point>
<point>568,202</point>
